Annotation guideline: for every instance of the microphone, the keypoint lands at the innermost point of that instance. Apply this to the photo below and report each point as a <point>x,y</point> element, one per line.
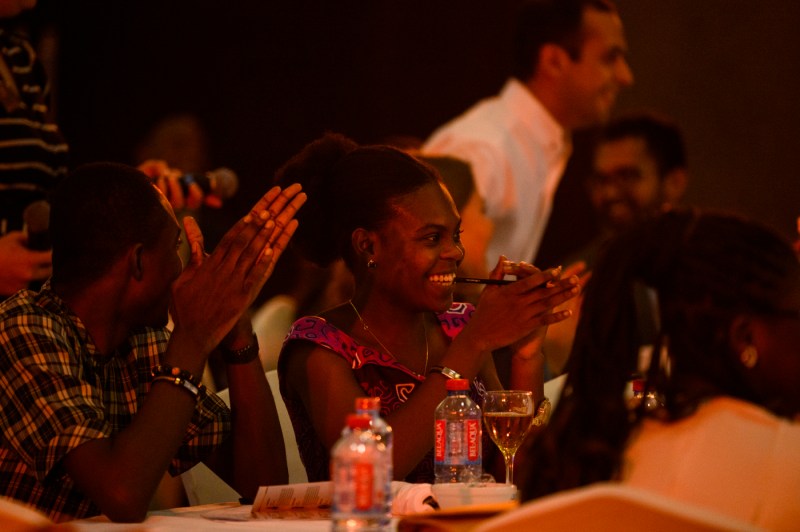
<point>221,182</point>
<point>37,223</point>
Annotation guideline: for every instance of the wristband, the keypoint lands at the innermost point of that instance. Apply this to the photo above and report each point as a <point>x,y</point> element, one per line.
<point>447,372</point>
<point>241,356</point>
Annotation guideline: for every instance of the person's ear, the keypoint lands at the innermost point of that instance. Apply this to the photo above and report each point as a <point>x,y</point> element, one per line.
<point>363,242</point>
<point>135,262</point>
<point>553,60</point>
<point>674,185</point>
<point>740,333</point>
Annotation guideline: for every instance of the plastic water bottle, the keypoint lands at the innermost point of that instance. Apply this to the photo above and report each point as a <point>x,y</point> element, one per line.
<point>457,436</point>
<point>372,407</point>
<point>381,430</point>
<point>359,465</point>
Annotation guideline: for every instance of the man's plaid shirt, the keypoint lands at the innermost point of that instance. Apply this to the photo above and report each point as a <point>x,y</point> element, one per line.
<point>58,392</point>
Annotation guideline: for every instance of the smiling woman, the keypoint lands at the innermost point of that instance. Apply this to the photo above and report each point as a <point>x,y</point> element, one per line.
<point>392,221</point>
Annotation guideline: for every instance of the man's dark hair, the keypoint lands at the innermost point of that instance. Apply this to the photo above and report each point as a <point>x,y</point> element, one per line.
<point>661,135</point>
<point>541,22</point>
<point>98,212</point>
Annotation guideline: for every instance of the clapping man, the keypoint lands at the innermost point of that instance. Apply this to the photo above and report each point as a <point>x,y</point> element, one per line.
<point>97,398</point>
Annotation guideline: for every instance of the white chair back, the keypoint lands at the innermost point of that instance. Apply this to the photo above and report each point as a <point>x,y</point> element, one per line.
<point>203,486</point>
<point>607,507</point>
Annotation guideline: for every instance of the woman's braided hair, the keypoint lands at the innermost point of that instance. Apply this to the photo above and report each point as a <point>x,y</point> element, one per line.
<point>705,269</point>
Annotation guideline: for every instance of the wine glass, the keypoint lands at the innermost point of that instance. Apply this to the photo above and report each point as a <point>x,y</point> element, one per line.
<point>508,415</point>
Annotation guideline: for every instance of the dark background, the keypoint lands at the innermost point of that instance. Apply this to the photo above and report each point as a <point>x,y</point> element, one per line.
<point>266,77</point>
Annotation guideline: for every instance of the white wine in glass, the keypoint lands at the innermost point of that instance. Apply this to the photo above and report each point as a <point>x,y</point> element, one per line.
<point>508,415</point>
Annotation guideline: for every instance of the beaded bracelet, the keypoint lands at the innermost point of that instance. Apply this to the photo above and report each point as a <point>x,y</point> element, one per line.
<point>177,381</point>
<point>179,377</point>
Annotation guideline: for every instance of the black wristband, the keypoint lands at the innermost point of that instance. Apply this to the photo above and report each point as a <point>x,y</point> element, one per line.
<point>243,355</point>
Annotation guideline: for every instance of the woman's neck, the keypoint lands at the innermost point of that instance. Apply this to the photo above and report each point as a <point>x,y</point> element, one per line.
<point>405,335</point>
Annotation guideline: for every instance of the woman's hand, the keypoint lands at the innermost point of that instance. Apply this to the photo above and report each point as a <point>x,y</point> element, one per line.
<point>519,312</point>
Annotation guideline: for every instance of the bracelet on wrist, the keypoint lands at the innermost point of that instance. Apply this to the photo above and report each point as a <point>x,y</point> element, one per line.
<point>177,381</point>
<point>179,377</point>
<point>447,372</point>
<point>241,356</point>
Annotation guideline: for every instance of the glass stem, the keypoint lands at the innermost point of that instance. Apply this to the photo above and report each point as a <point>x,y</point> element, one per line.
<point>510,469</point>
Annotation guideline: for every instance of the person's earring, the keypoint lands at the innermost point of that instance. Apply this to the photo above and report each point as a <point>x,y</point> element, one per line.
<point>371,264</point>
<point>749,357</point>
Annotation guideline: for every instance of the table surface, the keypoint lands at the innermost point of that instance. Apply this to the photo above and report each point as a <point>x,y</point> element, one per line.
<point>210,517</point>
<point>230,516</point>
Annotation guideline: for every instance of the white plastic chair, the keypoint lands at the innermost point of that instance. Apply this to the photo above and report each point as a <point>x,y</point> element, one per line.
<point>203,486</point>
<point>553,387</point>
<point>611,507</point>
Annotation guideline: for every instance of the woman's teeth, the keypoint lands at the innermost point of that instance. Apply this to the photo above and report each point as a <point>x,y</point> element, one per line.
<point>445,279</point>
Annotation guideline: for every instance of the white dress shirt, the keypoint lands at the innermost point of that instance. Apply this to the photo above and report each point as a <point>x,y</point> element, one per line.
<point>518,153</point>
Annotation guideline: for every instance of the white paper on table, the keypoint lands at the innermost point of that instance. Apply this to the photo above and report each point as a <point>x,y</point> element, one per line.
<point>289,496</point>
<point>304,497</point>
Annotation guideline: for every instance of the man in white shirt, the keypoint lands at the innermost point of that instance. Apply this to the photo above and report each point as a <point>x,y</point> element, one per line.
<point>569,67</point>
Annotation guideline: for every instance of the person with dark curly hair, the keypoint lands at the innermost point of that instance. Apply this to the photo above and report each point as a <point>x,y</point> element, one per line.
<point>725,434</point>
<point>400,336</point>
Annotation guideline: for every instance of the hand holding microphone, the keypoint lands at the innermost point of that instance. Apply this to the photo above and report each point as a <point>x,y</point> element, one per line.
<point>191,190</point>
<point>25,258</point>
<point>36,218</point>
<point>221,183</point>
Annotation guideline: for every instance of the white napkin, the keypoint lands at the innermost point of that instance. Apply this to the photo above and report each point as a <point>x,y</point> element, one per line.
<point>410,498</point>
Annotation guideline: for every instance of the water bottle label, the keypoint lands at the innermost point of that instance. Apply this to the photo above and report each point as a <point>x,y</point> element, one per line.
<point>473,439</point>
<point>439,440</point>
<point>363,483</point>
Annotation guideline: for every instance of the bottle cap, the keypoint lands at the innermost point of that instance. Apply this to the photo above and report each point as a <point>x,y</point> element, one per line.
<point>368,403</point>
<point>358,421</point>
<point>457,384</point>
<point>638,385</point>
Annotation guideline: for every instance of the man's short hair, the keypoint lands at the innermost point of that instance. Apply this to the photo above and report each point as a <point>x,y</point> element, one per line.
<point>97,213</point>
<point>662,137</point>
<point>541,22</point>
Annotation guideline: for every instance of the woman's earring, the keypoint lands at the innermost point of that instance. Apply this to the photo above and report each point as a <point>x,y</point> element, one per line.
<point>371,264</point>
<point>749,357</point>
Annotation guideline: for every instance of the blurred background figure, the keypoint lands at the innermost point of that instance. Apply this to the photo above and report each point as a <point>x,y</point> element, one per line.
<point>180,139</point>
<point>721,432</point>
<point>639,169</point>
<point>33,152</point>
<point>569,65</point>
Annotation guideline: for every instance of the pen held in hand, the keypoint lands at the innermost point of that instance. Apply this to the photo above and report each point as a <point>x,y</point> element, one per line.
<point>475,280</point>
